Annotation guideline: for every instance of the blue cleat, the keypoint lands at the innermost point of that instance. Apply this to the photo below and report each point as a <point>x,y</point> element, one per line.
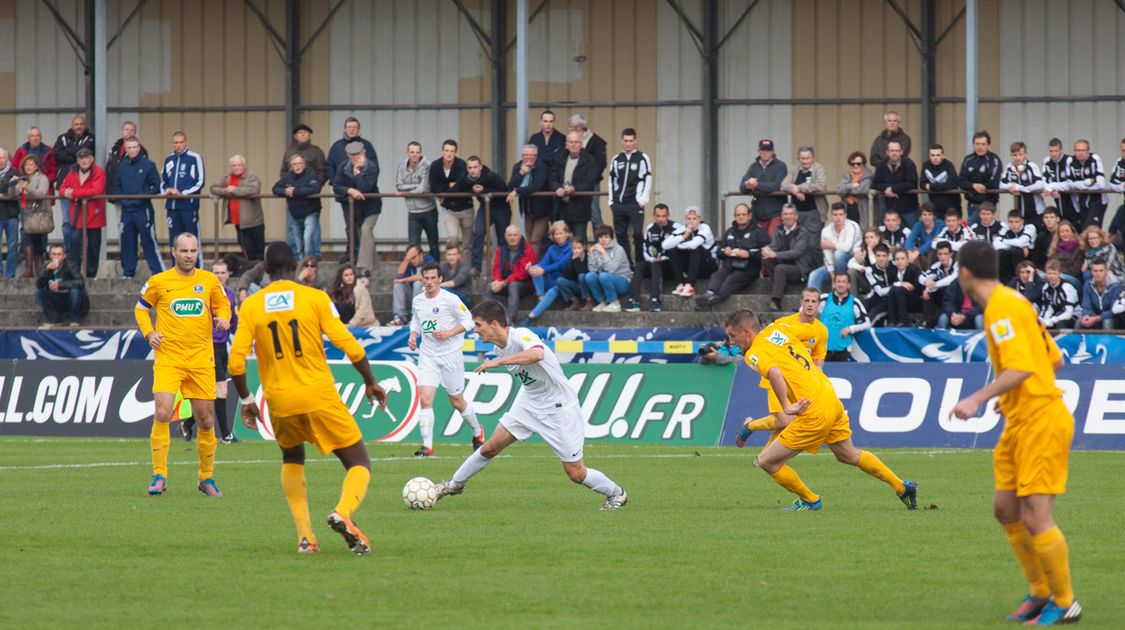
<point>1029,609</point>
<point>1054,614</point>
<point>743,435</point>
<point>209,488</point>
<point>158,485</point>
<point>909,496</point>
<point>800,505</point>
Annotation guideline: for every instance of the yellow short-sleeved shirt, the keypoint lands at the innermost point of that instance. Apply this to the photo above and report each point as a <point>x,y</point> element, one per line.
<point>1017,340</point>
<point>780,346</point>
<point>286,322</point>
<point>185,307</point>
<point>815,337</point>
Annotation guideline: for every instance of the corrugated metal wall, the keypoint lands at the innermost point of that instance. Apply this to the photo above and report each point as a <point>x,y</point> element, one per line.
<point>393,54</point>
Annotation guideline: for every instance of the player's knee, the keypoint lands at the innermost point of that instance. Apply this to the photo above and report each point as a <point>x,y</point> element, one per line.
<point>850,457</point>
<point>577,474</point>
<point>488,451</point>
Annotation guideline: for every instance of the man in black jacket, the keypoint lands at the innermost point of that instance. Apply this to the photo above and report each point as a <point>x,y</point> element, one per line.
<point>66,154</point>
<point>61,289</point>
<point>575,170</point>
<point>741,255</point>
<point>939,176</point>
<point>980,171</point>
<point>480,180</point>
<point>654,260</point>
<point>303,226</point>
<point>596,146</point>
<point>765,175</point>
<point>531,175</point>
<point>791,255</point>
<point>357,177</point>
<point>447,175</point>
<point>896,175</point>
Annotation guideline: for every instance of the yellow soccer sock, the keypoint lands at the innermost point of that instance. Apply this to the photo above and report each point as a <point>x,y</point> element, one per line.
<point>160,441</point>
<point>1020,540</point>
<point>293,482</point>
<point>355,488</point>
<point>765,423</point>
<point>205,443</point>
<point>875,467</point>
<point>788,478</point>
<point>1055,556</point>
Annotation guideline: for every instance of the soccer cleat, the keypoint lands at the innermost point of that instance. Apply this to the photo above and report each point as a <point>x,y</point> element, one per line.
<point>355,539</point>
<point>616,502</point>
<point>208,487</point>
<point>1053,614</point>
<point>424,452</point>
<point>1029,609</point>
<point>909,496</point>
<point>743,435</point>
<point>478,439</point>
<point>307,547</point>
<point>158,485</point>
<point>230,439</point>
<point>449,487</point>
<point>800,505</point>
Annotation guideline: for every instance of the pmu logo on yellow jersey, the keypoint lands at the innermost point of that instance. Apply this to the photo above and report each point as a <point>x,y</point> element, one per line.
<point>187,307</point>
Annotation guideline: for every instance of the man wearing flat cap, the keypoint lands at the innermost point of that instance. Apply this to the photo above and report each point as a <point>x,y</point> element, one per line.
<point>355,179</point>
<point>303,146</point>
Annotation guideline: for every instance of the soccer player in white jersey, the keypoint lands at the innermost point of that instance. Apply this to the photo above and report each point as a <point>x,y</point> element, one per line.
<point>547,405</point>
<point>442,320</point>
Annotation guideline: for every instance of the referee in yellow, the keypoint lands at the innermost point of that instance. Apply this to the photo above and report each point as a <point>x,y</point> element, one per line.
<point>1030,459</point>
<point>186,301</point>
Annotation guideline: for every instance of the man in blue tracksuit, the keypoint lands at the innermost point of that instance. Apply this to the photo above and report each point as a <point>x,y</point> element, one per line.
<point>136,175</point>
<point>182,175</point>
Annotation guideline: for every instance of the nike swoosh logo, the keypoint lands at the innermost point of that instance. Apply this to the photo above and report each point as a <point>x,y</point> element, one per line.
<point>133,410</point>
<point>575,453</point>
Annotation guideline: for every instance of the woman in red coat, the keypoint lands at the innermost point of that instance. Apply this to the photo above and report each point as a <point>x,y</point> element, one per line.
<point>88,180</point>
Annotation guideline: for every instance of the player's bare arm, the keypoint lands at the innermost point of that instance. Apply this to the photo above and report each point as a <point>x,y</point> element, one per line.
<point>442,335</point>
<point>373,391</point>
<point>221,323</point>
<point>527,357</point>
<point>250,412</point>
<point>412,343</point>
<point>1005,381</point>
<point>154,340</point>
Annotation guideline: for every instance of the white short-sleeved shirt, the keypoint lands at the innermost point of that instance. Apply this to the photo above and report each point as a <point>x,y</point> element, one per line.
<point>545,387</point>
<point>440,313</point>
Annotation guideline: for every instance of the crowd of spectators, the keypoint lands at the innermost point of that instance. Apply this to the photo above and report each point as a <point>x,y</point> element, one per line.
<point>558,246</point>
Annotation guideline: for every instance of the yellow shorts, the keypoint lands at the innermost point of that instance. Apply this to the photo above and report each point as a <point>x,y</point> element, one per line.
<point>195,383</point>
<point>809,431</point>
<point>1032,457</point>
<point>329,429</point>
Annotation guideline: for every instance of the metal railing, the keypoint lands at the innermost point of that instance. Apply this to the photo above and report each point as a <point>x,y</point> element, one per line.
<point>78,211</point>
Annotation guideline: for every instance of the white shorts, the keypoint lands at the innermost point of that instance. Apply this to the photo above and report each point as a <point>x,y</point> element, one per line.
<point>564,430</point>
<point>447,370</point>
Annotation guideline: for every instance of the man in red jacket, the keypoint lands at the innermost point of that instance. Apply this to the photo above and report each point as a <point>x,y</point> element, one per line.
<point>88,180</point>
<point>509,271</point>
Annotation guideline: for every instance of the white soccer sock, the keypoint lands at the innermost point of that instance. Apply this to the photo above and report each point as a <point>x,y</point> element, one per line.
<point>471,466</point>
<point>598,482</point>
<point>426,426</point>
<point>470,416</point>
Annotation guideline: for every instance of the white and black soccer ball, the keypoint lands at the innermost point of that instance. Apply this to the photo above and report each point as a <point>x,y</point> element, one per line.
<point>419,494</point>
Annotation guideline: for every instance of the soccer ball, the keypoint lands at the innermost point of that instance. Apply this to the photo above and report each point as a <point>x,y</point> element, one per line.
<point>419,493</point>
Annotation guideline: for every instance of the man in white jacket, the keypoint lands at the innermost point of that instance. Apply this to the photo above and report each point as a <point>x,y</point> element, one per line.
<point>839,240</point>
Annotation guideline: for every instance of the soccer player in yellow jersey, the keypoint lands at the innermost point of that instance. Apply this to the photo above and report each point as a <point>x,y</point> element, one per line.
<point>779,355</point>
<point>1030,459</point>
<point>813,334</point>
<point>187,303</point>
<point>285,323</point>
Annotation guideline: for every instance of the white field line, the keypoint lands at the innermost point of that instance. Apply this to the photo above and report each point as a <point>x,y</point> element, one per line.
<point>407,458</point>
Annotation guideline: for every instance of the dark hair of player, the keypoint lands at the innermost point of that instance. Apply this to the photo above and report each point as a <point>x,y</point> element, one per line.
<point>491,311</point>
<point>280,259</point>
<point>979,259</point>
<point>431,266</point>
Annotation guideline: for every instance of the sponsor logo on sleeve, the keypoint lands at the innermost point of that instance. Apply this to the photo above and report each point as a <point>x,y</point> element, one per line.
<point>1002,331</point>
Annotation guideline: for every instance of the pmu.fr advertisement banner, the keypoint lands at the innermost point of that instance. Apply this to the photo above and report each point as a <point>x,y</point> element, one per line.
<point>76,398</point>
<point>645,403</point>
<point>896,405</point>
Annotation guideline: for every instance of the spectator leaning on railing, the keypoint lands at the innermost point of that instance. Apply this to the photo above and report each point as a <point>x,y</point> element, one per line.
<point>575,170</point>
<point>1056,172</point>
<point>893,178</point>
<point>530,175</point>
<point>1087,174</point>
<point>302,214</point>
<point>938,176</point>
<point>313,155</point>
<point>854,187</point>
<point>242,207</point>
<point>38,217</point>
<point>447,176</point>
<point>806,183</point>
<point>596,146</point>
<point>66,158</point>
<point>1025,182</point>
<point>892,132</point>
<point>355,180</point>
<point>117,154</point>
<point>1117,184</point>
<point>764,176</point>
<point>413,176</point>
<point>81,183</point>
<point>980,172</point>
<point>480,180</point>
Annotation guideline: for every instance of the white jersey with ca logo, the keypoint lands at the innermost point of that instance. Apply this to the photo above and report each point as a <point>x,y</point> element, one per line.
<point>544,386</point>
<point>440,313</point>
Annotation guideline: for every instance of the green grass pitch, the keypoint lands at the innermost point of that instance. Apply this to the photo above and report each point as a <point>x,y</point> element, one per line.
<point>700,544</point>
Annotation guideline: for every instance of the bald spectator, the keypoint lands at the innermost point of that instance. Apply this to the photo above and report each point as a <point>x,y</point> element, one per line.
<point>67,145</point>
<point>765,176</point>
<point>530,175</point>
<point>355,179</point>
<point>303,216</point>
<point>596,146</point>
<point>892,131</point>
<point>242,208</point>
<point>510,278</point>
<point>312,154</point>
<point>807,183</point>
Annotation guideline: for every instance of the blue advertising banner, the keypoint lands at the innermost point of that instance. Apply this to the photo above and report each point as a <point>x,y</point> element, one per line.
<point>922,345</point>
<point>908,405</point>
<point>386,343</point>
